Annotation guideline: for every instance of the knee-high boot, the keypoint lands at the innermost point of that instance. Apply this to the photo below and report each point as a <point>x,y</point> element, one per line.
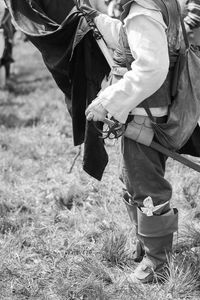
<point>132,212</point>
<point>156,233</point>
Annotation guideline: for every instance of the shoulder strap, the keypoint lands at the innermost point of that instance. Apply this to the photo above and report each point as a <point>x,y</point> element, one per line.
<point>164,11</point>
<point>176,156</point>
<point>165,7</point>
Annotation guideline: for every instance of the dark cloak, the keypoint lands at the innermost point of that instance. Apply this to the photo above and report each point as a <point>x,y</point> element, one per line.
<point>76,63</point>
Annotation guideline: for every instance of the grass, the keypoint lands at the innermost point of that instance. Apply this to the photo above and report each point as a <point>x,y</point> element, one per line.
<point>64,235</point>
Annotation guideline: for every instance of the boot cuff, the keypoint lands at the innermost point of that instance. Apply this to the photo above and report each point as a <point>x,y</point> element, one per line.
<point>155,226</point>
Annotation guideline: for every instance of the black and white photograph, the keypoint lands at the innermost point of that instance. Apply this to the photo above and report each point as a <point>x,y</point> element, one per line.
<point>99,149</point>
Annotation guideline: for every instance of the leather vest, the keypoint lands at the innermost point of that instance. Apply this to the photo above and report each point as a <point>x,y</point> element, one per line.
<point>162,97</point>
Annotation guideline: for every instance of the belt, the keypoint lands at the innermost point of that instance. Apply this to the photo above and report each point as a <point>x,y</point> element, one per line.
<point>158,120</point>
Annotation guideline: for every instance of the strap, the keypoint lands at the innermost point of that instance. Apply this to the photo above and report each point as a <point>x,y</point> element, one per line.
<point>148,111</point>
<point>164,11</point>
<point>122,34</point>
<point>175,156</point>
<point>185,36</point>
<point>165,6</point>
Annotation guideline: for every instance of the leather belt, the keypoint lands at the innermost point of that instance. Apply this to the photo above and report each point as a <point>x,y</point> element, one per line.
<point>158,120</point>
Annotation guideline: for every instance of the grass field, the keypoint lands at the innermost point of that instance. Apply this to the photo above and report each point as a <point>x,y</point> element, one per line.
<point>63,235</point>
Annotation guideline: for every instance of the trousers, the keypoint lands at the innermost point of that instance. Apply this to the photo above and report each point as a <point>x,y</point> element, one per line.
<point>143,171</point>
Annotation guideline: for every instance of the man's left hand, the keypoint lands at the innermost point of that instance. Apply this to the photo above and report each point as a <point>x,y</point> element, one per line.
<point>96,111</point>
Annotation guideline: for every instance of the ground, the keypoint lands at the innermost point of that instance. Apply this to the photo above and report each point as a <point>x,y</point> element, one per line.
<point>64,235</point>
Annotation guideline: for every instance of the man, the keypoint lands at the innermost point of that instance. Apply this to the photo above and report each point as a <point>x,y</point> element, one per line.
<point>142,36</point>
<point>144,39</point>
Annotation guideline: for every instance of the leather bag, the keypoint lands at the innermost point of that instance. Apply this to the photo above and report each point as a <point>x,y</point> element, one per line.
<point>184,111</point>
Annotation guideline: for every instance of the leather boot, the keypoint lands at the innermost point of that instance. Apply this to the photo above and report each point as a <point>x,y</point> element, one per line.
<point>132,212</point>
<point>157,235</point>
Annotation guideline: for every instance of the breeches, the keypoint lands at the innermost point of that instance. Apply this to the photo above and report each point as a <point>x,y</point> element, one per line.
<point>143,171</point>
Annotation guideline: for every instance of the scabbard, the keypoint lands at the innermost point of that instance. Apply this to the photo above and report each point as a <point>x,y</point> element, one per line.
<point>169,153</point>
<point>174,155</point>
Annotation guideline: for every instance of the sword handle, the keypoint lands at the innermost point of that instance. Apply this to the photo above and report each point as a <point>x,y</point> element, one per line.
<point>109,122</point>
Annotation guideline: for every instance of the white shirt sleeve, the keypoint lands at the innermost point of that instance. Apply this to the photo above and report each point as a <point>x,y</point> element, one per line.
<point>2,10</point>
<point>109,28</point>
<point>147,39</point>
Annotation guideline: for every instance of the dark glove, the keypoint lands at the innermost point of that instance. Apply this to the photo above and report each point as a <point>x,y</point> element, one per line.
<point>88,11</point>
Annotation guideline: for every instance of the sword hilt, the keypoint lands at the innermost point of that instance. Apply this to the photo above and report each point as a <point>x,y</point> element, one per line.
<point>114,131</point>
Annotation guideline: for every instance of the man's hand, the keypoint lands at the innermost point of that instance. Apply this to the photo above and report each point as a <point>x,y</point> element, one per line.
<point>96,111</point>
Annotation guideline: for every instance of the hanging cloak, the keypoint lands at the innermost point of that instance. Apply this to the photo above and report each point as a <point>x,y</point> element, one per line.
<point>75,61</point>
